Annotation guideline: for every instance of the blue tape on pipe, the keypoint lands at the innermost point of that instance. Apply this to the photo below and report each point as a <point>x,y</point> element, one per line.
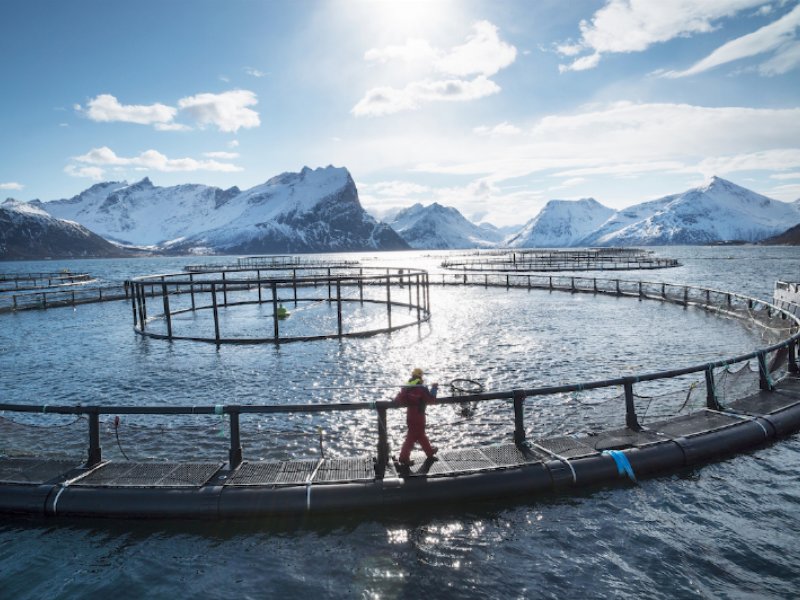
<point>623,464</point>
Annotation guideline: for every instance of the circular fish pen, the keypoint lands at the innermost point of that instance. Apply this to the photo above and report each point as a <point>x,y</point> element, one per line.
<point>301,303</point>
<point>588,259</point>
<point>628,448</point>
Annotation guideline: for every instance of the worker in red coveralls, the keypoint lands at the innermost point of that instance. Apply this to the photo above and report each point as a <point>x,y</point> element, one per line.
<point>415,396</point>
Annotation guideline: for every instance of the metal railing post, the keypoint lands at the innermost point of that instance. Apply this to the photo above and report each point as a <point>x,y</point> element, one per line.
<point>793,368</point>
<point>95,454</point>
<point>519,417</point>
<point>631,420</point>
<point>711,390</point>
<point>764,381</point>
<point>383,444</point>
<point>235,453</point>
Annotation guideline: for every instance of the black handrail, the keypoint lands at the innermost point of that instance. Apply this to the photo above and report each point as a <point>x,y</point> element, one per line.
<point>518,396</point>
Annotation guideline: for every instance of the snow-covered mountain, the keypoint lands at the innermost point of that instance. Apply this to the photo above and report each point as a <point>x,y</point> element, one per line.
<point>27,232</point>
<point>719,211</point>
<point>441,227</point>
<point>310,211</point>
<point>561,223</point>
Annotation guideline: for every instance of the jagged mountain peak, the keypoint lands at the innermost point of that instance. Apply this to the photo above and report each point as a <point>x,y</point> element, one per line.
<point>440,227</point>
<point>311,210</point>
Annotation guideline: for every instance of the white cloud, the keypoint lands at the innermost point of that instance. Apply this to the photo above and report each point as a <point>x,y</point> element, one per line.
<point>95,173</point>
<point>786,58</point>
<point>397,188</point>
<point>635,25</point>
<point>482,55</point>
<point>222,155</point>
<point>233,144</point>
<point>413,49</point>
<point>106,108</point>
<point>11,185</point>
<point>153,160</point>
<point>387,100</point>
<point>795,175</point>
<point>627,138</point>
<point>254,72</point>
<point>778,36</point>
<point>500,129</point>
<point>227,111</point>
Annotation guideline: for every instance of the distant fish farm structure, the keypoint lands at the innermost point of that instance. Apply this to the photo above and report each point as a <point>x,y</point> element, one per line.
<point>586,259</point>
<point>235,487</point>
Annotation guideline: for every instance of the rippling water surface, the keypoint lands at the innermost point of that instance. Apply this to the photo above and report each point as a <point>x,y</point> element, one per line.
<point>727,530</point>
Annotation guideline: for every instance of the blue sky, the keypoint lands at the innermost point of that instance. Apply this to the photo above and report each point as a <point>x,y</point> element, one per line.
<point>492,107</point>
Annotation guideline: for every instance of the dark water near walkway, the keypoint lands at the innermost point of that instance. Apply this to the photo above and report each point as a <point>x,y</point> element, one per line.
<point>728,530</point>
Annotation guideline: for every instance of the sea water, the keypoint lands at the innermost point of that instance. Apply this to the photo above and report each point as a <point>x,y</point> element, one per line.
<point>725,530</point>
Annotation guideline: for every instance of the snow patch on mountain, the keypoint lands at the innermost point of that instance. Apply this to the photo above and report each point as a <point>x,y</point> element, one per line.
<point>441,227</point>
<point>561,223</point>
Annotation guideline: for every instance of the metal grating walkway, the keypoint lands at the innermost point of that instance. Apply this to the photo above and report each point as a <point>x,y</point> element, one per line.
<point>696,423</point>
<point>150,475</point>
<point>34,470</point>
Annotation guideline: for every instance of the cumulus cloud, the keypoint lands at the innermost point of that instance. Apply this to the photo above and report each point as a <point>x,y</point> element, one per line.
<point>635,25</point>
<point>147,160</point>
<point>779,37</point>
<point>483,53</point>
<point>11,185</point>
<point>467,67</point>
<point>387,100</point>
<point>228,111</point>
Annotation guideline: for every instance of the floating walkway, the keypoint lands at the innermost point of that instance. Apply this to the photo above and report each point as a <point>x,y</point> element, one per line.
<point>214,490</point>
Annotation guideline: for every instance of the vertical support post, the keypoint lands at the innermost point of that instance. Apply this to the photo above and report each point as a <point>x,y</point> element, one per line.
<point>276,331</point>
<point>95,454</point>
<point>519,417</point>
<point>330,295</point>
<point>235,452</point>
<point>388,302</point>
<point>142,306</point>
<point>764,381</point>
<point>167,314</point>
<point>191,289</point>
<point>631,420</point>
<point>383,444</point>
<point>294,286</point>
<point>133,307</point>
<point>617,282</point>
<point>686,296</point>
<point>216,311</point>
<point>339,306</point>
<point>224,290</point>
<point>258,277</point>
<point>711,390</point>
<point>641,295</point>
<point>418,306</point>
<point>361,285</point>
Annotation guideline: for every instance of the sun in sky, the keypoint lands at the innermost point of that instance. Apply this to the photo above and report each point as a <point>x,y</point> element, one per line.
<point>491,107</point>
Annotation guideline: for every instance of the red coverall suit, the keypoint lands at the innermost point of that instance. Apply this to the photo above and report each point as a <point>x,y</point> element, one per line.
<point>415,397</point>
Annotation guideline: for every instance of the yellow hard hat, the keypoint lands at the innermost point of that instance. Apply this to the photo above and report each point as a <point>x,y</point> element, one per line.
<point>416,373</point>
